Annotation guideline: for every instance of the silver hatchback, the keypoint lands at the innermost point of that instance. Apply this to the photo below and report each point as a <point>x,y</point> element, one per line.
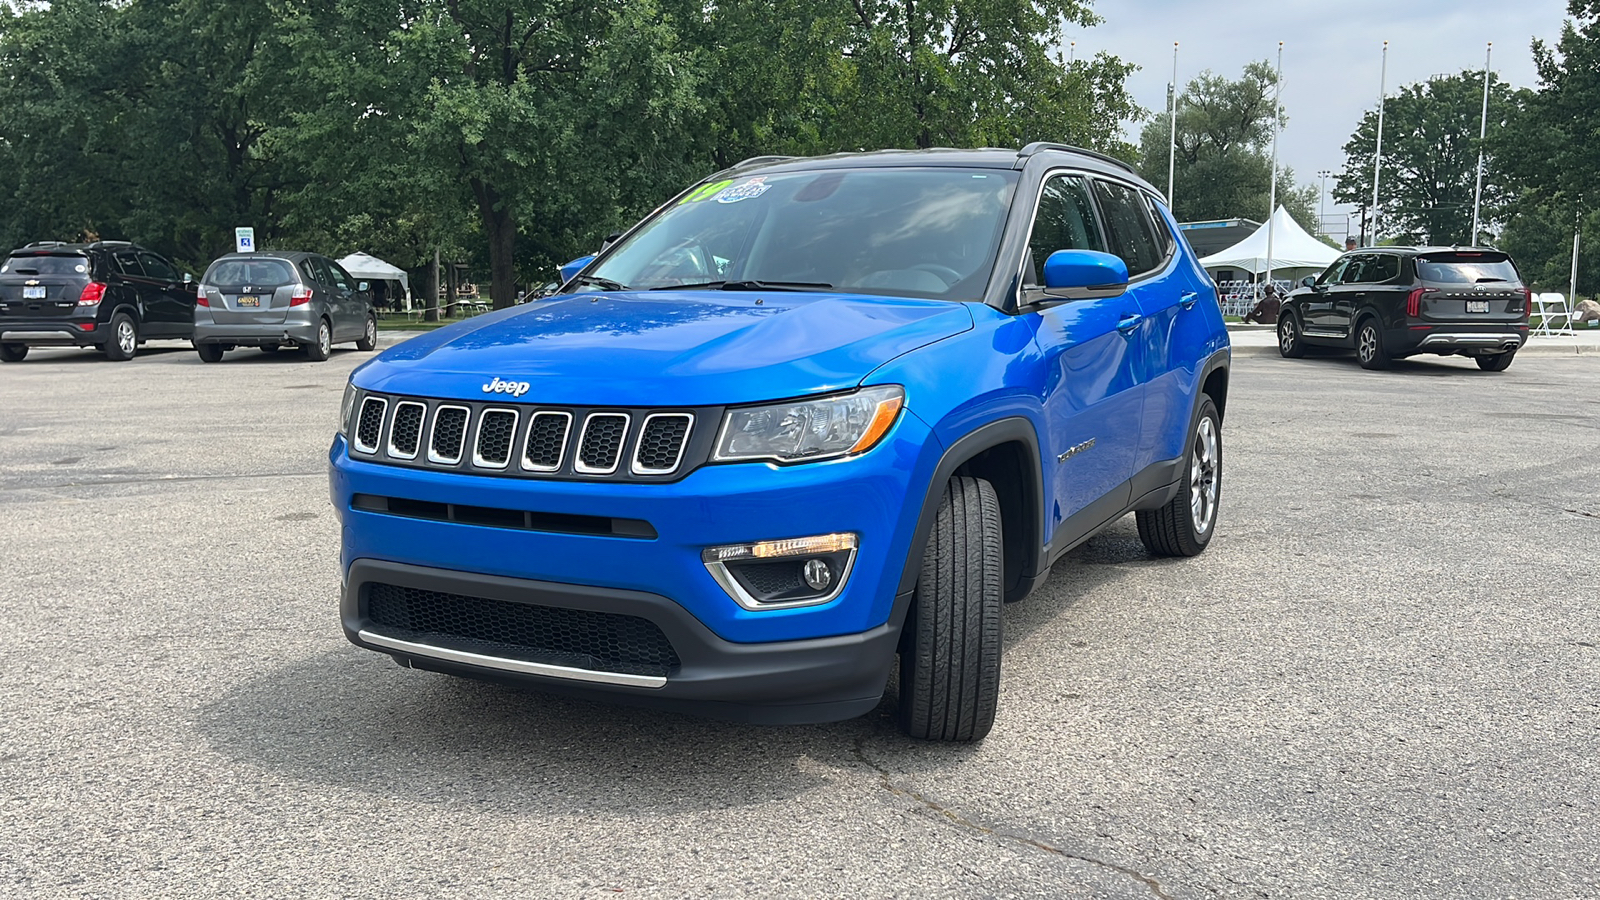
<point>271,299</point>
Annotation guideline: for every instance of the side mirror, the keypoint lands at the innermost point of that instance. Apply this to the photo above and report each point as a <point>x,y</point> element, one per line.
<point>187,278</point>
<point>361,286</point>
<point>1084,275</point>
<point>608,240</point>
<point>1309,281</point>
<point>574,267</point>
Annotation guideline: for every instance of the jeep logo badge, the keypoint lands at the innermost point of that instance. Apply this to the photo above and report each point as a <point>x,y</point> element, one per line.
<point>514,388</point>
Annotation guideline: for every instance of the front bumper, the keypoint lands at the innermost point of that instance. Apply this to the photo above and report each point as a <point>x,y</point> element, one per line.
<point>52,333</point>
<point>297,328</point>
<point>787,682</point>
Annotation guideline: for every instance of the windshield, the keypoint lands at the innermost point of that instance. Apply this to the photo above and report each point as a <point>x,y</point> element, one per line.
<point>1466,268</point>
<point>45,265</point>
<point>905,232</point>
<point>262,272</point>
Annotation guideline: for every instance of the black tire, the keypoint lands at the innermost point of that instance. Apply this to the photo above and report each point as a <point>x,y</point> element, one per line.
<point>1496,362</point>
<point>369,338</point>
<point>950,652</point>
<point>1369,345</point>
<point>209,352</point>
<point>13,352</point>
<point>123,341</point>
<point>1184,526</point>
<point>322,347</point>
<point>1290,345</point>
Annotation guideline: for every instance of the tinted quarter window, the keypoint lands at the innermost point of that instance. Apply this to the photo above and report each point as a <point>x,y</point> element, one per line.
<point>1128,225</point>
<point>1164,239</point>
<point>1064,221</point>
<point>312,274</point>
<point>156,267</point>
<point>1464,268</point>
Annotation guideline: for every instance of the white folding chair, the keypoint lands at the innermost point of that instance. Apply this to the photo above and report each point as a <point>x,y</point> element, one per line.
<point>1552,308</point>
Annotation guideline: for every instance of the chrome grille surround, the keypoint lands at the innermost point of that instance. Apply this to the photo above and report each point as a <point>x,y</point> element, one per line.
<point>369,428</point>
<point>600,445</point>
<point>444,416</point>
<point>660,440</point>
<point>496,432</point>
<point>407,429</point>
<point>548,461</point>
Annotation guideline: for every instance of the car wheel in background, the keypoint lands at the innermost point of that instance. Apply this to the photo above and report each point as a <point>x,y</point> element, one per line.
<point>1184,526</point>
<point>950,664</point>
<point>369,338</point>
<point>209,352</point>
<point>1496,362</point>
<point>323,348</point>
<point>123,342</point>
<point>1369,345</point>
<point>13,352</point>
<point>1289,344</point>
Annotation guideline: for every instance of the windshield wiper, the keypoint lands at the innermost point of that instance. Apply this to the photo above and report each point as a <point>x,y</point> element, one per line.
<point>749,286</point>
<point>602,283</point>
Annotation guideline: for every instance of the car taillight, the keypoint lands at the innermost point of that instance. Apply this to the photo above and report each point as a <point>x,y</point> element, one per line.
<point>1527,302</point>
<point>301,296</point>
<point>93,293</point>
<point>1414,303</point>
<point>200,298</point>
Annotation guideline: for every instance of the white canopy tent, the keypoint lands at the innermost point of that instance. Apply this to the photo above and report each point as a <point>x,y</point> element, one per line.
<point>366,267</point>
<point>1292,248</point>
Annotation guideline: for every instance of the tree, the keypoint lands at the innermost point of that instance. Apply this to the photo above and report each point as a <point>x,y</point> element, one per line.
<point>1222,161</point>
<point>1430,158</point>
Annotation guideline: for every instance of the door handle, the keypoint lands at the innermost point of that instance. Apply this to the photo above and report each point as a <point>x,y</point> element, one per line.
<point>1128,323</point>
<point>1187,299</point>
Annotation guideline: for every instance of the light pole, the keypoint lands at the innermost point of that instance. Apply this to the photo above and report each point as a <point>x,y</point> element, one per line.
<point>1377,154</point>
<point>1272,191</point>
<point>1322,201</point>
<point>1483,132</point>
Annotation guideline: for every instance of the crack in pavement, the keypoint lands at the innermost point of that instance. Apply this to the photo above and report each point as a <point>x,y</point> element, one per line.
<point>956,818</point>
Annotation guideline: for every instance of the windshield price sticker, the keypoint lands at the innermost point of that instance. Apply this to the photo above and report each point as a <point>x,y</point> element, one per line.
<point>750,190</point>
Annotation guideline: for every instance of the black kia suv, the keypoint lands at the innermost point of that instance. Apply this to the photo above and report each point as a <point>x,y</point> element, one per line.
<point>111,295</point>
<point>1391,302</point>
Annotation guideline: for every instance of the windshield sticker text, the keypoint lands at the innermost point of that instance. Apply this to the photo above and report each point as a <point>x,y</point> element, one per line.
<point>751,189</point>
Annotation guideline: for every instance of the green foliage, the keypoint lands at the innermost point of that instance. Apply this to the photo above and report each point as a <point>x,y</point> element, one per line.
<point>511,134</point>
<point>1222,158</point>
<point>1430,158</point>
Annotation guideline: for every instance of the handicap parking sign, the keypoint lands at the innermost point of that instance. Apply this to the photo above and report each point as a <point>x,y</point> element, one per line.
<point>244,239</point>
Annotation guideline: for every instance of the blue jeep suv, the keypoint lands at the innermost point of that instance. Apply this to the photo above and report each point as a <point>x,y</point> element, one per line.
<point>808,418</point>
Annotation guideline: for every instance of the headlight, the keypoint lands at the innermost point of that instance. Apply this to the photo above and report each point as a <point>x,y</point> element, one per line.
<point>807,430</point>
<point>346,408</point>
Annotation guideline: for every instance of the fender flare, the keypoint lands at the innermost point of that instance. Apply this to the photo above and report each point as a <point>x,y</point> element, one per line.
<point>992,434</point>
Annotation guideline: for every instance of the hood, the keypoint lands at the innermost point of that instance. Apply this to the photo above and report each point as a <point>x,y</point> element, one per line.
<point>667,348</point>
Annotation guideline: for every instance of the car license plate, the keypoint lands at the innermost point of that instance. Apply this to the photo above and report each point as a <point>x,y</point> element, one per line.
<point>249,301</point>
<point>1477,306</point>
<point>33,293</point>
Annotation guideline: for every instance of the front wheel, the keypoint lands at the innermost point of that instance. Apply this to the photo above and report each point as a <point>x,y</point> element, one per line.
<point>1496,362</point>
<point>323,348</point>
<point>13,352</point>
<point>1369,346</point>
<point>369,338</point>
<point>1184,526</point>
<point>1289,344</point>
<point>124,341</point>
<point>950,656</point>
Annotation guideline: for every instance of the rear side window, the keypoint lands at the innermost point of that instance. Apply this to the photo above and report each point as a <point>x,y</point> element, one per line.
<point>1382,267</point>
<point>156,267</point>
<point>128,263</point>
<point>1465,268</point>
<point>1065,221</point>
<point>1129,227</point>
<point>253,272</point>
<point>45,265</point>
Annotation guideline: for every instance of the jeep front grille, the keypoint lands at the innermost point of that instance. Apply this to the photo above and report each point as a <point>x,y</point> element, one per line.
<point>568,443</point>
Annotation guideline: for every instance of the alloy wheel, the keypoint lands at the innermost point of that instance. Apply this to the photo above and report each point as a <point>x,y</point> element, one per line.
<point>126,338</point>
<point>1203,480</point>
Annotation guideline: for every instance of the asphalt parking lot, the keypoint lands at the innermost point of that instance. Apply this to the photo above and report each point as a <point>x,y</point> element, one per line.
<point>1379,681</point>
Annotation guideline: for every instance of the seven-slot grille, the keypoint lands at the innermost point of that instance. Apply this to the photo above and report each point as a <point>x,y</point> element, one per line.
<point>558,443</point>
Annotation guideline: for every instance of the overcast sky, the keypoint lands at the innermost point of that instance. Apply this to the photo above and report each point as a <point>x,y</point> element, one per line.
<point>1332,54</point>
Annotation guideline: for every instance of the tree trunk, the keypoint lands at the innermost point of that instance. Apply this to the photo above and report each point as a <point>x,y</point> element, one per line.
<point>452,288</point>
<point>431,302</point>
<point>502,234</point>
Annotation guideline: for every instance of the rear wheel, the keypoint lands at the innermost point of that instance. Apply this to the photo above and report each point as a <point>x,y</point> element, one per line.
<point>950,656</point>
<point>1289,344</point>
<point>124,340</point>
<point>13,352</point>
<point>323,348</point>
<point>369,338</point>
<point>1496,362</point>
<point>209,352</point>
<point>1184,526</point>
<point>1369,346</point>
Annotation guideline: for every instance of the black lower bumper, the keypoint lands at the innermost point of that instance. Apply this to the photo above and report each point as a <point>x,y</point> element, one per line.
<point>50,334</point>
<point>1467,339</point>
<point>791,682</point>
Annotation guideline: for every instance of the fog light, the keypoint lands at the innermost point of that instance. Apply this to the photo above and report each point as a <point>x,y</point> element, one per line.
<point>817,574</point>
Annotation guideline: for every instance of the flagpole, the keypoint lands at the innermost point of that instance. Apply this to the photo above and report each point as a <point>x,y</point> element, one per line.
<point>1272,192</point>
<point>1483,131</point>
<point>1172,127</point>
<point>1377,155</point>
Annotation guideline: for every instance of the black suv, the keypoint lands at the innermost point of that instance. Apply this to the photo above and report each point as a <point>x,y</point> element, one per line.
<point>1390,302</point>
<point>108,294</point>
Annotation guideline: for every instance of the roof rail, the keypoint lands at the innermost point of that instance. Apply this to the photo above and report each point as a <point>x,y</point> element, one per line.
<point>1037,146</point>
<point>757,160</point>
<point>46,244</point>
